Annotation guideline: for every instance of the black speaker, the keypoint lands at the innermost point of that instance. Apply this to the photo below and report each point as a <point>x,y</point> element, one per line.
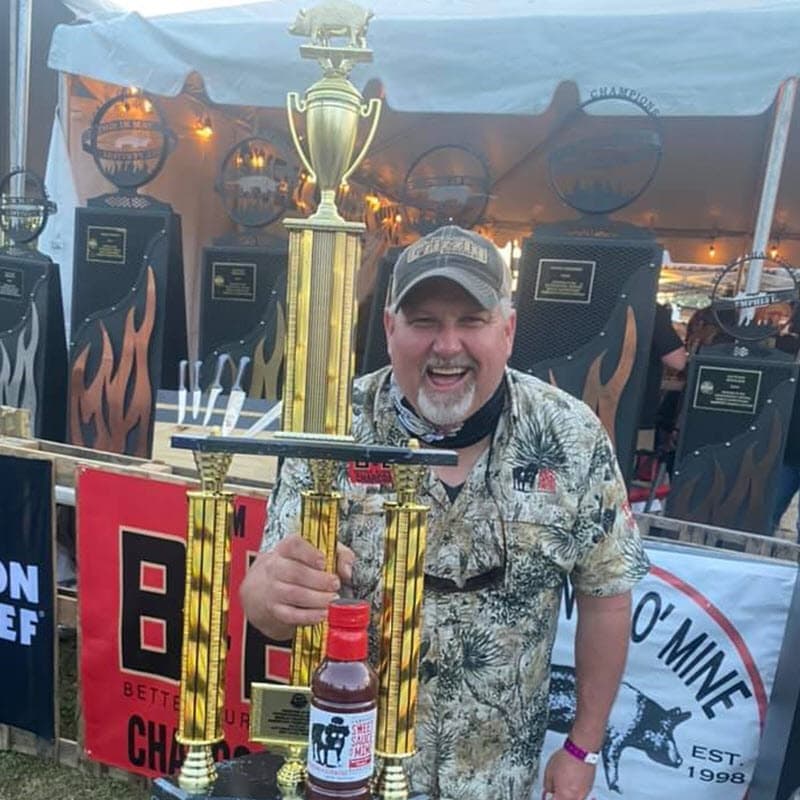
<point>585,310</point>
<point>243,313</point>
<point>33,348</point>
<point>117,356</point>
<point>110,246</point>
<point>374,354</point>
<point>734,422</point>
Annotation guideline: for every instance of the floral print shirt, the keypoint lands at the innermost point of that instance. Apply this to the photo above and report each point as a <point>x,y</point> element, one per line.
<point>544,502</point>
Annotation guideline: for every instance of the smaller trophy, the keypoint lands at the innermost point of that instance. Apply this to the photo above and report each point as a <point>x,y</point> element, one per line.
<point>33,350</point>
<point>738,401</point>
<point>127,271</point>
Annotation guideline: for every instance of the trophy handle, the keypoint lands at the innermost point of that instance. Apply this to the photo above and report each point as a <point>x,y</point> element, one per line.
<point>294,103</point>
<point>372,110</point>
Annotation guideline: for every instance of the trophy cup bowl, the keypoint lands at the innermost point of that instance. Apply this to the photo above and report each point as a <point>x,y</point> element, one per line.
<point>332,108</point>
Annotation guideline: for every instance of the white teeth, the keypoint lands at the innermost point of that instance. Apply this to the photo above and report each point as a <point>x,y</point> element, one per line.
<point>447,370</point>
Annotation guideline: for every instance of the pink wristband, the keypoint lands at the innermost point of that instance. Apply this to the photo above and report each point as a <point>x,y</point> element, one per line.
<point>579,753</point>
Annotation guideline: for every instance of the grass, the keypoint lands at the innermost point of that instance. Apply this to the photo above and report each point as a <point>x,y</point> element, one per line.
<point>26,777</point>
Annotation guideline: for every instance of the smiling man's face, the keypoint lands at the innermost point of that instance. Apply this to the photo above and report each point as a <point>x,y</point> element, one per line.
<point>448,353</point>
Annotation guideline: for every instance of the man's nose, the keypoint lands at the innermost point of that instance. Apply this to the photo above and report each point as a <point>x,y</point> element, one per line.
<point>447,341</point>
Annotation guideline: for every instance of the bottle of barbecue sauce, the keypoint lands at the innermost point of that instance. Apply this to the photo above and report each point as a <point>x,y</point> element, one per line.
<point>344,688</point>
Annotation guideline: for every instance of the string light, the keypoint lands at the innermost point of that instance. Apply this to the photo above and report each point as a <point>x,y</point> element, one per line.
<point>712,248</point>
<point>203,128</point>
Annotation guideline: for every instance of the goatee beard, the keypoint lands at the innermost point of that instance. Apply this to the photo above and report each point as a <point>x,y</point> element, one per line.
<point>445,412</point>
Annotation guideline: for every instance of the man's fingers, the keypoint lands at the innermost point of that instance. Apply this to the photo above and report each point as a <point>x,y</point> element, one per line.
<point>302,597</point>
<point>298,574</point>
<point>345,558</point>
<point>297,548</point>
<point>291,615</point>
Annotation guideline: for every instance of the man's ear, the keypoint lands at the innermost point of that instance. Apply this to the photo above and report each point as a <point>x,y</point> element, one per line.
<point>510,329</point>
<point>389,322</point>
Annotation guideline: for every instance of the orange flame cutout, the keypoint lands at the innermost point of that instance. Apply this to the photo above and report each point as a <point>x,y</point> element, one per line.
<point>723,508</point>
<point>106,403</point>
<point>264,381</point>
<point>603,398</point>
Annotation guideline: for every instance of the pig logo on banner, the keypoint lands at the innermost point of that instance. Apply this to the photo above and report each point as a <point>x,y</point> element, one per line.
<point>649,729</point>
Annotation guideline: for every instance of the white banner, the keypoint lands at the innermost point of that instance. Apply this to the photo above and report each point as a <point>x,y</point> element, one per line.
<point>705,640</point>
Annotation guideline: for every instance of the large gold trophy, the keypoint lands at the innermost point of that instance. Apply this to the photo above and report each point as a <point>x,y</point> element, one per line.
<point>324,254</point>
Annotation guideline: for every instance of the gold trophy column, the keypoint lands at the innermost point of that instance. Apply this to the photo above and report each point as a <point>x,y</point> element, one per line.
<point>401,624</point>
<point>324,255</point>
<point>319,525</point>
<point>205,616</point>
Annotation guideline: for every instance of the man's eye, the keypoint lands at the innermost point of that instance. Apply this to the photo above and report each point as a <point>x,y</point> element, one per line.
<point>422,322</point>
<point>474,321</point>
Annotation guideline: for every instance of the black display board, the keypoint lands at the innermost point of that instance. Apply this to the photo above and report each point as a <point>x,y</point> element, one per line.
<point>243,313</point>
<point>374,354</point>
<point>128,325</point>
<point>734,421</point>
<point>585,308</point>
<point>33,348</point>
<point>27,592</point>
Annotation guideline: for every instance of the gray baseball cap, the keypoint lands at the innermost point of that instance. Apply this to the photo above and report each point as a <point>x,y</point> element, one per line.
<point>462,256</point>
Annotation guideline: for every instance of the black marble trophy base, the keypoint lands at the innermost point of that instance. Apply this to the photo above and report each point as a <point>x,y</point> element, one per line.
<point>247,778</point>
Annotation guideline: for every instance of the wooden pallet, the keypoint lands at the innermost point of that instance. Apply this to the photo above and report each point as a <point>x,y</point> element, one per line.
<point>665,528</point>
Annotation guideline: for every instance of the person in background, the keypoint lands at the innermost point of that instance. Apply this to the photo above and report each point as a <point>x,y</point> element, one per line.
<point>666,350</point>
<point>703,330</point>
<point>536,497</point>
<point>789,477</point>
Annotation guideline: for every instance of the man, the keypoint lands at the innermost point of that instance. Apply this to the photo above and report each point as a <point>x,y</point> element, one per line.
<point>536,496</point>
<point>666,349</point>
<point>789,476</point>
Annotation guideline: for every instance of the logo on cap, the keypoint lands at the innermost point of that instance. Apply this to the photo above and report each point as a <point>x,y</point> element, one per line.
<point>448,246</point>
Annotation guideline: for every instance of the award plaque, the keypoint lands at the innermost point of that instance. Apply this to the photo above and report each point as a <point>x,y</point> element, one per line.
<point>33,352</point>
<point>324,253</point>
<point>586,291</point>
<point>127,271</point>
<point>738,403</point>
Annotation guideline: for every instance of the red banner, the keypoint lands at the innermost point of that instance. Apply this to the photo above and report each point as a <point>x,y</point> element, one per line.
<point>131,551</point>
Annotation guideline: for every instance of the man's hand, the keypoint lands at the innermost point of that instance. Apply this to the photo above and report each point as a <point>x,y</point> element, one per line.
<point>288,586</point>
<point>567,778</point>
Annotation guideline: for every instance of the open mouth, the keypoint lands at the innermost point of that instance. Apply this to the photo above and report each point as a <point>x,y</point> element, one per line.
<point>446,377</point>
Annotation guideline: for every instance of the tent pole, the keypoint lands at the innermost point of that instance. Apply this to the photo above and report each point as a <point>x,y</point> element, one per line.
<point>19,122</point>
<point>12,80</point>
<point>772,180</point>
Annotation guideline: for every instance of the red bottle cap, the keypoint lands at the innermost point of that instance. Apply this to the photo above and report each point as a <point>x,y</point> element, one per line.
<point>347,632</point>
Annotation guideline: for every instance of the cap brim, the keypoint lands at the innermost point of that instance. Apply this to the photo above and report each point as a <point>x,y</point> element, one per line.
<point>474,286</point>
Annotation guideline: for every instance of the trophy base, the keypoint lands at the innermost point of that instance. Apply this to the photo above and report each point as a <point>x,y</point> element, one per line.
<point>250,777</point>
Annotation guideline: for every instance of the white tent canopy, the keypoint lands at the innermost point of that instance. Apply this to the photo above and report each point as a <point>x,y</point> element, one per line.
<point>495,78</point>
<point>691,57</point>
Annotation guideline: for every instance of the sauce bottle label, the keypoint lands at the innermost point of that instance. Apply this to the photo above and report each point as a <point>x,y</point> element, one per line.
<point>341,746</point>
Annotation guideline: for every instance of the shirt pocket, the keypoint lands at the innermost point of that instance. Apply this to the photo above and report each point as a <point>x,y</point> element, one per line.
<point>541,547</point>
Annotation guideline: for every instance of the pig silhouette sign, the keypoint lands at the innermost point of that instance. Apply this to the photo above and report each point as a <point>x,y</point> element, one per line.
<point>648,728</point>
<point>689,714</point>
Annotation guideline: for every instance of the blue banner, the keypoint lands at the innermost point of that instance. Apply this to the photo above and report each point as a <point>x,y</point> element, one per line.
<point>27,602</point>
